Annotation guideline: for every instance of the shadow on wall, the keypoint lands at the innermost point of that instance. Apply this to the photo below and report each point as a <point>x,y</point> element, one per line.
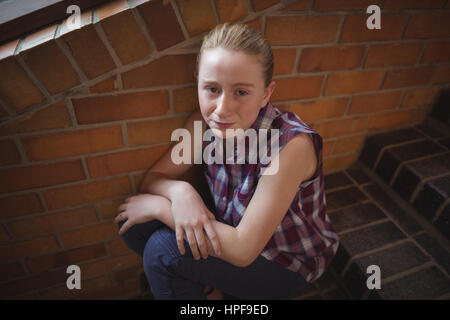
<point>441,109</point>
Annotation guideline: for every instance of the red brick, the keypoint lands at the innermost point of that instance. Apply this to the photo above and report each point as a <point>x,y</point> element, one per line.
<point>118,247</point>
<point>355,28</point>
<point>16,206</point>
<point>36,176</point>
<point>320,109</point>
<point>421,114</point>
<point>259,5</point>
<point>162,71</point>
<point>152,132</point>
<point>417,97</point>
<point>436,52</point>
<point>255,24</point>
<point>350,144</point>
<point>111,9</point>
<point>65,144</point>
<point>38,37</point>
<point>121,107</point>
<point>231,10</point>
<point>95,284</point>
<point>297,88</point>
<point>110,264</point>
<point>109,84</point>
<point>39,281</point>
<point>54,116</point>
<point>13,77</point>
<point>293,30</point>
<point>51,67</point>
<point>429,25</point>
<point>121,291</point>
<point>94,59</point>
<point>124,33</point>
<point>87,235</point>
<point>86,192</point>
<point>52,222</point>
<point>407,77</point>
<point>326,5</point>
<point>393,54</point>
<point>442,75</point>
<point>9,271</point>
<point>330,58</point>
<point>369,103</point>
<point>341,127</point>
<point>198,16</point>
<point>284,60</point>
<point>356,81</point>
<point>299,5</point>
<point>391,119</point>
<point>122,162</point>
<point>158,17</point>
<point>185,99</point>
<point>65,258</point>
<point>128,273</point>
<point>339,163</point>
<point>110,208</point>
<point>8,153</point>
<point>28,248</point>
<point>4,236</point>
<point>412,4</point>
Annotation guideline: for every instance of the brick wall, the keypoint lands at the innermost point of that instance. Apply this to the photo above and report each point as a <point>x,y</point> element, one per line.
<point>84,113</point>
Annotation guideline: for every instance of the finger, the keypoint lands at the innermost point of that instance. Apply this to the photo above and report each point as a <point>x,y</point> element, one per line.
<point>192,243</point>
<point>180,238</point>
<point>121,216</point>
<point>212,235</point>
<point>200,237</point>
<point>211,215</point>
<point>125,227</point>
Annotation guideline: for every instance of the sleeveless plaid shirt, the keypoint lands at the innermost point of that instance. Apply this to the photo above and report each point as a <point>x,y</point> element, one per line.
<point>305,240</point>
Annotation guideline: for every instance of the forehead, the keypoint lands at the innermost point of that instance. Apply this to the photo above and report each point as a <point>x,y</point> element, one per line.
<point>229,64</point>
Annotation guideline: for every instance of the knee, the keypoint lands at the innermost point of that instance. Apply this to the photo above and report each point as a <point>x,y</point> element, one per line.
<point>161,252</point>
<point>132,239</point>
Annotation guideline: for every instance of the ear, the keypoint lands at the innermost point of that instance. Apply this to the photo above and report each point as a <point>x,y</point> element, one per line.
<point>268,93</point>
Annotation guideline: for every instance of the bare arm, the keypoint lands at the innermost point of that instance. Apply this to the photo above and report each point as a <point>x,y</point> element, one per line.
<point>242,245</point>
<point>226,235</point>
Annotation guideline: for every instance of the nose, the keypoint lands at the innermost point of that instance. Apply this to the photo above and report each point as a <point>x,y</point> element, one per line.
<point>224,108</point>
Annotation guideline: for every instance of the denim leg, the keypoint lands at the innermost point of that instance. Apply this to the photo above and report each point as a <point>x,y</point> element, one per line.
<point>175,276</point>
<point>137,235</point>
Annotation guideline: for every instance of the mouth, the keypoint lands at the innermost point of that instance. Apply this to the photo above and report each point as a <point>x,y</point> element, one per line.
<point>223,125</point>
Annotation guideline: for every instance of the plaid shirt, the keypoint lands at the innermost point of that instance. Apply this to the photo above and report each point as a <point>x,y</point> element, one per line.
<point>305,241</point>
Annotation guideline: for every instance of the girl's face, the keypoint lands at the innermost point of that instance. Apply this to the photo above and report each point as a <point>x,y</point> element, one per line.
<point>231,89</point>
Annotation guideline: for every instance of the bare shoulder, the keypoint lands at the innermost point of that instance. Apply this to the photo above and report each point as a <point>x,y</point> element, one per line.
<point>301,150</point>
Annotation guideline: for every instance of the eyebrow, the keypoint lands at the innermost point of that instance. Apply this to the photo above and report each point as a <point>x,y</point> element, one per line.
<point>239,84</point>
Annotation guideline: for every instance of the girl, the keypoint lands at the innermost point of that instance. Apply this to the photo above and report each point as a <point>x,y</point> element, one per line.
<point>269,235</point>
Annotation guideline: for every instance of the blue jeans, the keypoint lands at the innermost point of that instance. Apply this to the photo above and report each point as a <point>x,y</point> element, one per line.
<point>172,275</point>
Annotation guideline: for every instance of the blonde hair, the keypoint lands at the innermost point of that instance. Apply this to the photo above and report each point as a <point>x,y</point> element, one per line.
<point>240,37</point>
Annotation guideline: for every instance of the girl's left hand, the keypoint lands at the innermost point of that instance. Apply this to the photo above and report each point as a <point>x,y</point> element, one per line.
<point>138,209</point>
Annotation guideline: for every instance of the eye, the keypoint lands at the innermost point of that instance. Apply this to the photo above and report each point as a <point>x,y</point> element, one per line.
<point>212,89</point>
<point>242,92</point>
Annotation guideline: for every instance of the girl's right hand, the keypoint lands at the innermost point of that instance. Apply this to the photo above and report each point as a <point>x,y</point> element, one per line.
<point>192,219</point>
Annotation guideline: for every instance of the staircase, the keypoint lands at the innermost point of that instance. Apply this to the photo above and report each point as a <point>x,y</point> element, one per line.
<point>391,209</point>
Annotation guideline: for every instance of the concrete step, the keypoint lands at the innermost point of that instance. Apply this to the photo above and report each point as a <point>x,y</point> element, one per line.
<point>377,227</point>
<point>416,163</point>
